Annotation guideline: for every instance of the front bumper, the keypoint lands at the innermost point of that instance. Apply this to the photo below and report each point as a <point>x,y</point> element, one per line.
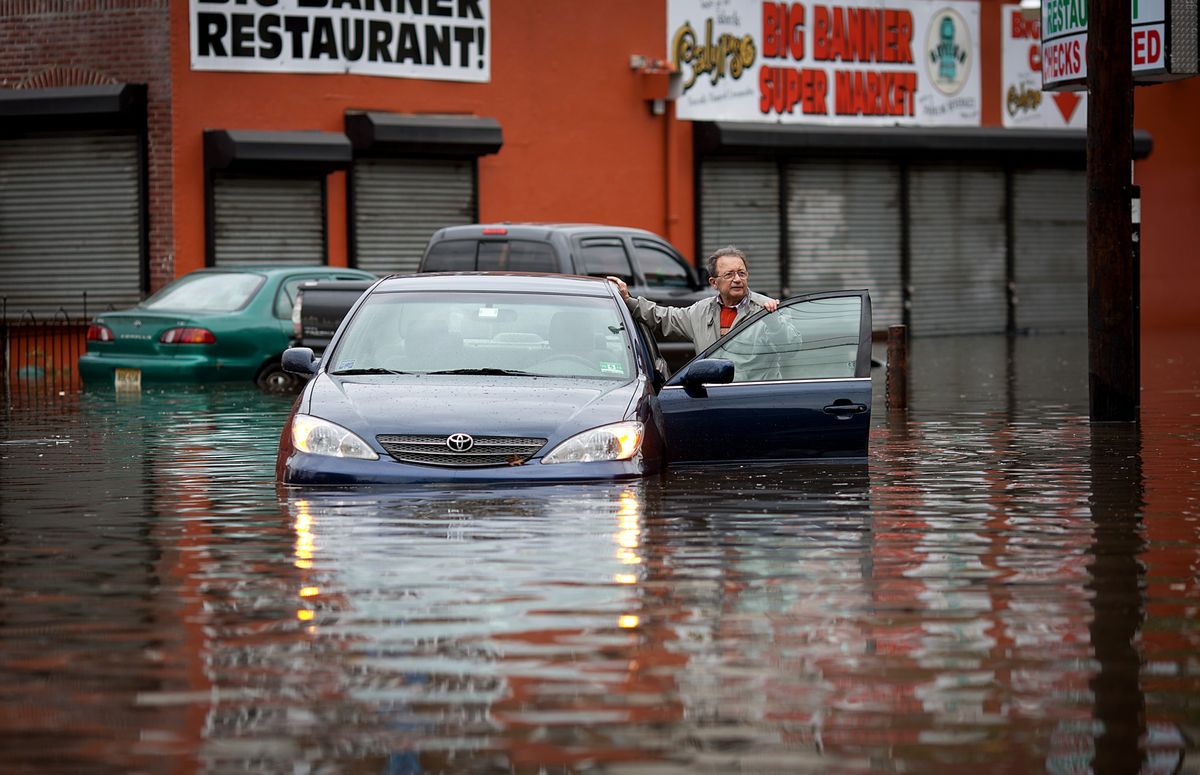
<point>302,468</point>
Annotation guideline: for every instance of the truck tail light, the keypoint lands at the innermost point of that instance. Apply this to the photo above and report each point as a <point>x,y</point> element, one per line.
<point>187,336</point>
<point>99,333</point>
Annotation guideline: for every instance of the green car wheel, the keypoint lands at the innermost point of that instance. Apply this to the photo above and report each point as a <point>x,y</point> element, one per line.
<point>273,379</point>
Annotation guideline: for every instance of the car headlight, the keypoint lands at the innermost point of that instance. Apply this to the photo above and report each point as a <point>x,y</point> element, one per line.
<point>619,441</point>
<point>321,437</point>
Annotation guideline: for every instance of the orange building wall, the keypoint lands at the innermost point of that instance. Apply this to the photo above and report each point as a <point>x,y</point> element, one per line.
<point>1170,182</point>
<point>580,144</point>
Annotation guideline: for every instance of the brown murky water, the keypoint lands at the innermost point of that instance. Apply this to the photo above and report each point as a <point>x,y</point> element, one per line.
<point>1003,586</point>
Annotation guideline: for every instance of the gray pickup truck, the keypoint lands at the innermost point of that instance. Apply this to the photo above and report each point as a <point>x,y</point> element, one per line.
<point>646,262</point>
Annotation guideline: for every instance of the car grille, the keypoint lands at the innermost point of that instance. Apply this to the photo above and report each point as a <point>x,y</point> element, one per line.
<point>487,450</point>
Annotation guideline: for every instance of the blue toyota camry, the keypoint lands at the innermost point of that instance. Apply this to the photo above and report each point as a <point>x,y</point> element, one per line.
<point>511,377</point>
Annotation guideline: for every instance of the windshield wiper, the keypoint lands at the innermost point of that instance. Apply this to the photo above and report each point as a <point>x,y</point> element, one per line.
<point>373,370</point>
<point>490,372</point>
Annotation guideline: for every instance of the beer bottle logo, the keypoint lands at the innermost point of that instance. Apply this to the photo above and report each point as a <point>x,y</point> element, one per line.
<point>948,52</point>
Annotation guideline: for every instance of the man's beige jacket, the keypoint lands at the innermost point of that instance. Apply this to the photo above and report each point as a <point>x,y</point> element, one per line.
<point>700,323</point>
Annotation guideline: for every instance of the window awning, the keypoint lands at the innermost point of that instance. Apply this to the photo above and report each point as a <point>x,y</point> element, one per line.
<point>116,105</point>
<point>1069,145</point>
<point>400,134</point>
<point>297,152</point>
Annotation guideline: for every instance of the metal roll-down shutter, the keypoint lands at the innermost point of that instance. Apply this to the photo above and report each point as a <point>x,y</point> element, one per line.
<point>844,231</point>
<point>399,203</point>
<point>268,220</point>
<point>1050,249</point>
<point>70,221</point>
<point>740,206</point>
<point>957,244</point>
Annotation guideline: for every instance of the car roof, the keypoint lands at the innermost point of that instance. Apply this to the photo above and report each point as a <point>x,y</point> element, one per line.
<point>276,269</point>
<point>534,230</point>
<point>511,282</point>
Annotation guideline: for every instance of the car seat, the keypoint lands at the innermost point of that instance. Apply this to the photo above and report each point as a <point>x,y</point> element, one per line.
<point>572,336</point>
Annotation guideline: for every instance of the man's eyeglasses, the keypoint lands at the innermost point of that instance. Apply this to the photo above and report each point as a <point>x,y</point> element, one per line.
<point>739,274</point>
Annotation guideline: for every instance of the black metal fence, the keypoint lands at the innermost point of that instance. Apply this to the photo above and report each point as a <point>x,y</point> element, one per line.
<point>38,352</point>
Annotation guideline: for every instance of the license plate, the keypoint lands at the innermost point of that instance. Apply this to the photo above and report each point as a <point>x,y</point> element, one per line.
<point>127,379</point>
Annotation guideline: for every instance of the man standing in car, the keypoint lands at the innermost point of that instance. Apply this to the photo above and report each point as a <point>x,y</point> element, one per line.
<point>708,319</point>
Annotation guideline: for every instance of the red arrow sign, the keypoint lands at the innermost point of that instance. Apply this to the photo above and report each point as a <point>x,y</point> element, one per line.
<point>1066,102</point>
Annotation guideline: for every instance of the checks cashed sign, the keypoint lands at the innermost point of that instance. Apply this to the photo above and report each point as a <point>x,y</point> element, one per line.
<point>1163,42</point>
<point>908,62</point>
<point>436,39</point>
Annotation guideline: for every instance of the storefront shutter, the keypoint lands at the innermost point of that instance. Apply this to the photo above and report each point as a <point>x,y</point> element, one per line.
<point>268,220</point>
<point>399,204</point>
<point>70,221</point>
<point>1050,249</point>
<point>740,206</point>
<point>844,231</point>
<point>957,241</point>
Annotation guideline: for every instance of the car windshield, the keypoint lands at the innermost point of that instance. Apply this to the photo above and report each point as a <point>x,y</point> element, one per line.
<point>485,333</point>
<point>207,292</point>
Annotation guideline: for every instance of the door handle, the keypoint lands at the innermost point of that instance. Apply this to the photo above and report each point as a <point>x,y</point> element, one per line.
<point>844,409</point>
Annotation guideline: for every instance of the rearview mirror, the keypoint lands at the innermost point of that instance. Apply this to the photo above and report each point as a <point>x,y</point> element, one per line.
<point>709,371</point>
<point>299,360</point>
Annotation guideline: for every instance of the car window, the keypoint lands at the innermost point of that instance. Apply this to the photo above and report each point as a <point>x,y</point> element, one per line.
<point>427,331</point>
<point>207,292</point>
<point>604,256</point>
<point>660,363</point>
<point>659,267</point>
<point>516,256</point>
<point>451,256</point>
<point>285,299</point>
<point>815,339</point>
<point>289,291</point>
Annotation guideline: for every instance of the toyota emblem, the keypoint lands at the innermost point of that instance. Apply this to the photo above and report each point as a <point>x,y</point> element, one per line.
<point>459,442</point>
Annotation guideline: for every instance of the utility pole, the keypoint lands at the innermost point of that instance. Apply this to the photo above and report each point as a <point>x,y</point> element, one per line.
<point>1113,347</point>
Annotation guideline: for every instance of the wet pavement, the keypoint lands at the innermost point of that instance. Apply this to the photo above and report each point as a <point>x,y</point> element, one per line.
<point>1002,586</point>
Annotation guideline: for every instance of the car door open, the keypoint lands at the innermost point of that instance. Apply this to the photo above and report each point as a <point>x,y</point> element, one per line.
<point>799,387</point>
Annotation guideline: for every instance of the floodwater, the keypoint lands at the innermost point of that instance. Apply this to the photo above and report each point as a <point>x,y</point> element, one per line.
<point>1002,587</point>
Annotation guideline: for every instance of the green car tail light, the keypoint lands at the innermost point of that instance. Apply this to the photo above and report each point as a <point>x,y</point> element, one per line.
<point>99,333</point>
<point>187,335</point>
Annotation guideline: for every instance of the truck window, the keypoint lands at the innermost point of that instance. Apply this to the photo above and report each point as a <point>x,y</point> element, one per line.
<point>604,256</point>
<point>516,256</point>
<point>457,255</point>
<point>661,268</point>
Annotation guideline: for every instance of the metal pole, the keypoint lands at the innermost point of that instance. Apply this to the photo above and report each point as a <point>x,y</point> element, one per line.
<point>1112,326</point>
<point>897,367</point>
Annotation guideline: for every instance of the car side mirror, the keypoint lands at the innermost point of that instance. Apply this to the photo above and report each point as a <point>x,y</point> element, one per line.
<point>299,360</point>
<point>709,371</point>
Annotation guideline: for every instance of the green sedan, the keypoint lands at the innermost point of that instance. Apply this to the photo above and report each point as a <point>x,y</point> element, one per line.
<point>211,325</point>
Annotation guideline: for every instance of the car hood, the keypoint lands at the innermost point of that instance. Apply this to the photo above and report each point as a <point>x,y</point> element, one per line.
<point>544,407</point>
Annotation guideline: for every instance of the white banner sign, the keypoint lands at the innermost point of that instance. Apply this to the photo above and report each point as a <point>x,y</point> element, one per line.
<point>1025,104</point>
<point>909,62</point>
<point>444,40</point>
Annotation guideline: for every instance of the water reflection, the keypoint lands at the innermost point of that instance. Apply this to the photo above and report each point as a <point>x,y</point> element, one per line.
<point>469,622</point>
<point>1117,505</point>
<point>1002,586</point>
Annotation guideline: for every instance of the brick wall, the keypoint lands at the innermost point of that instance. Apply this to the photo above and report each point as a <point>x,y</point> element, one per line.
<point>51,43</point>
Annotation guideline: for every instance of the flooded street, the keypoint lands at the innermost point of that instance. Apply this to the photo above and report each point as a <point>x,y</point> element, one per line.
<point>1002,586</point>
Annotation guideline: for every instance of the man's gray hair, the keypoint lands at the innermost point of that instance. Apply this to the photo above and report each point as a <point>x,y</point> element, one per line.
<point>710,263</point>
